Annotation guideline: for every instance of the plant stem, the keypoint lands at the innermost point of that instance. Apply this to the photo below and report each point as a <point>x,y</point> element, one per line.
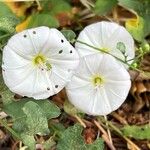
<point>3,123</point>
<point>125,62</point>
<point>3,36</point>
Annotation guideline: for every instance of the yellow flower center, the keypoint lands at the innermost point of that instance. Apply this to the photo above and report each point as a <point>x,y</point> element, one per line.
<point>97,80</point>
<point>40,61</point>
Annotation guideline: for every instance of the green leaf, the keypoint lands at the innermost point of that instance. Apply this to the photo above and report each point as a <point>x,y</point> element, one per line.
<point>69,35</point>
<point>136,28</point>
<point>96,145</point>
<point>137,132</point>
<point>4,9</point>
<point>8,24</point>
<point>136,5</point>
<point>6,95</point>
<point>102,7</point>
<point>43,20</point>
<point>140,27</point>
<point>0,58</point>
<point>54,7</point>
<point>28,141</point>
<point>14,109</point>
<point>57,128</point>
<point>73,140</point>
<point>121,46</point>
<point>36,120</point>
<point>19,125</point>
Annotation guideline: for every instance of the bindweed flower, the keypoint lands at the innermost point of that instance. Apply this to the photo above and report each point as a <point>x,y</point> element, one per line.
<point>107,36</point>
<point>38,62</point>
<point>99,86</point>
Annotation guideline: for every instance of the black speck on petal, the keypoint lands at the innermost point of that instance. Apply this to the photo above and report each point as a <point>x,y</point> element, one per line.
<point>34,32</point>
<point>60,51</point>
<point>56,86</point>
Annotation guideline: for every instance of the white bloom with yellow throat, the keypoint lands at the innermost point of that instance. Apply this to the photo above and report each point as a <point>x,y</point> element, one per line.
<point>109,37</point>
<point>38,62</point>
<point>99,86</point>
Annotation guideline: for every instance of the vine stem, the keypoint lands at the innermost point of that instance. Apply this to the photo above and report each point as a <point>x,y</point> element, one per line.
<point>3,123</point>
<point>3,36</point>
<point>111,55</point>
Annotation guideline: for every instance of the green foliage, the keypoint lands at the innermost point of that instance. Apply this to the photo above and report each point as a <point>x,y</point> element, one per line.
<point>8,24</point>
<point>137,132</point>
<point>6,95</point>
<point>69,35</point>
<point>121,46</point>
<point>54,7</point>
<point>57,128</point>
<point>141,7</point>
<point>8,20</point>
<point>141,28</point>
<point>136,28</point>
<point>43,20</point>
<point>15,108</point>
<point>36,120</point>
<point>28,140</point>
<point>72,139</point>
<point>0,59</point>
<point>4,10</point>
<point>96,145</point>
<point>102,7</point>
<point>31,117</point>
<point>47,145</point>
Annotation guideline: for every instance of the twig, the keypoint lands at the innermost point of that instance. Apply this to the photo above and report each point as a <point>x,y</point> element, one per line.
<point>115,15</point>
<point>104,135</point>
<point>100,127</point>
<point>106,139</point>
<point>119,118</point>
<point>39,5</point>
<point>80,121</point>
<point>120,133</point>
<point>108,131</point>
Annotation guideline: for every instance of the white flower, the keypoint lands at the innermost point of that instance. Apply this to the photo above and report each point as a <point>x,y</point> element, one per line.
<point>99,86</point>
<point>109,37</point>
<point>38,62</point>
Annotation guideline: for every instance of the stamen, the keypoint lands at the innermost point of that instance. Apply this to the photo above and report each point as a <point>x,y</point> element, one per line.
<point>41,61</point>
<point>97,80</point>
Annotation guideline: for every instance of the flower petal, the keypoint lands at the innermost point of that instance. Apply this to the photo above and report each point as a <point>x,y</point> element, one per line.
<point>13,60</point>
<point>36,85</point>
<point>45,77</point>
<point>105,35</point>
<point>29,42</point>
<point>100,99</point>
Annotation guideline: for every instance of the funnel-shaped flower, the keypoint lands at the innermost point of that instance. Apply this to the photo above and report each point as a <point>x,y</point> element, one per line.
<point>99,86</point>
<point>38,62</point>
<point>107,36</point>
